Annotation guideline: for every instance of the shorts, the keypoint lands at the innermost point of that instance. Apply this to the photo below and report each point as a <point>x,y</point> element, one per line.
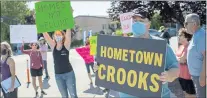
<point>88,67</point>
<point>36,72</point>
<point>187,86</point>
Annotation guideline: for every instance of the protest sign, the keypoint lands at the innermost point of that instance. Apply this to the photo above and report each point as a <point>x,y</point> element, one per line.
<point>18,33</point>
<point>53,15</point>
<point>126,22</point>
<point>93,45</point>
<point>131,65</point>
<point>84,52</point>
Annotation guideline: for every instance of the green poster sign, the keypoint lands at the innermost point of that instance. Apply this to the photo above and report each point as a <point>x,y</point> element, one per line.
<point>53,15</point>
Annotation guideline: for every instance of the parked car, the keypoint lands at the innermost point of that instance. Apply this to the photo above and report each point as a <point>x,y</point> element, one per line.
<point>154,32</point>
<point>172,32</point>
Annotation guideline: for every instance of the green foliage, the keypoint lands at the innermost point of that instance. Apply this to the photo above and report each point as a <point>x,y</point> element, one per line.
<point>15,12</point>
<point>156,21</point>
<point>170,11</point>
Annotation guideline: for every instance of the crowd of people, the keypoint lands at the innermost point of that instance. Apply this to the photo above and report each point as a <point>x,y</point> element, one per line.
<point>184,75</point>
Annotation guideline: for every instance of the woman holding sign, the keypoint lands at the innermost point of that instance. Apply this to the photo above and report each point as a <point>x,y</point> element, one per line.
<point>64,74</point>
<point>8,69</point>
<point>36,66</point>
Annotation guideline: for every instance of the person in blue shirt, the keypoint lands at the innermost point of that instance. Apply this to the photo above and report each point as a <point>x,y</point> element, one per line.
<point>140,29</point>
<point>171,66</point>
<point>196,55</point>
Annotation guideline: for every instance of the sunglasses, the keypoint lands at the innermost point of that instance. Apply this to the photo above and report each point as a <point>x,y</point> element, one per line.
<point>186,23</point>
<point>34,45</point>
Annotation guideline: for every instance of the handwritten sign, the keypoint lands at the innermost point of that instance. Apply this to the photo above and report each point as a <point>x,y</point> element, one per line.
<point>93,45</point>
<point>18,33</point>
<point>126,22</point>
<point>53,15</point>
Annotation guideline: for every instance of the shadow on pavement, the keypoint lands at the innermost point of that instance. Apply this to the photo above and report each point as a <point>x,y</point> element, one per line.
<point>46,85</point>
<point>92,90</point>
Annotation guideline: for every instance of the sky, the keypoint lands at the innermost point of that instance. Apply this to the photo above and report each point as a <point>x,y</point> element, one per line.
<point>92,8</point>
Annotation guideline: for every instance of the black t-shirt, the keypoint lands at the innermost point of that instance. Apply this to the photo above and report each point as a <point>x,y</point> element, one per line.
<point>61,60</point>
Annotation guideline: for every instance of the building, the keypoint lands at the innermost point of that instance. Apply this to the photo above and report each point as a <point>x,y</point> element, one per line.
<point>94,23</point>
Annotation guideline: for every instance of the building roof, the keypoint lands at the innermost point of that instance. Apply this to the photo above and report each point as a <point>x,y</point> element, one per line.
<point>106,17</point>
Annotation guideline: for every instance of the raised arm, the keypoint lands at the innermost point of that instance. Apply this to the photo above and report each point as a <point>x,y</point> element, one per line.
<point>24,51</point>
<point>67,39</point>
<point>49,40</point>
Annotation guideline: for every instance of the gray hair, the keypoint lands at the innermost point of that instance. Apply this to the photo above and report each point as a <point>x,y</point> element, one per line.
<point>193,18</point>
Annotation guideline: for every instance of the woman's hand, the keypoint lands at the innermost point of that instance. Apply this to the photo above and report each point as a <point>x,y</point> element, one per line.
<point>11,89</point>
<point>22,42</point>
<point>164,77</point>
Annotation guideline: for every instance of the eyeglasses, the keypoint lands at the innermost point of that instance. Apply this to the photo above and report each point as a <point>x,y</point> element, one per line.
<point>34,45</point>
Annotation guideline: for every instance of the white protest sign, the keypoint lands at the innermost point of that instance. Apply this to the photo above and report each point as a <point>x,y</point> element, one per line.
<point>174,43</point>
<point>126,22</point>
<point>26,33</point>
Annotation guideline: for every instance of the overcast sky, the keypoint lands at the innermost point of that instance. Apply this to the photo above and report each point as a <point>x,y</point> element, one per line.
<point>92,8</point>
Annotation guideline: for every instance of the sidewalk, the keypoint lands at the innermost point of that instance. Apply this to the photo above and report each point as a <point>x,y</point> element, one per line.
<point>50,87</point>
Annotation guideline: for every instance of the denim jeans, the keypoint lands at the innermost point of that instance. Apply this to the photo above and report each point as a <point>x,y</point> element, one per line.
<point>200,91</point>
<point>66,84</point>
<point>45,67</point>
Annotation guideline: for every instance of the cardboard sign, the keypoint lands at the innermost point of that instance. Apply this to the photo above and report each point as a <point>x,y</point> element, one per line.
<point>126,22</point>
<point>53,15</point>
<point>18,33</point>
<point>93,45</point>
<point>84,52</point>
<point>131,65</point>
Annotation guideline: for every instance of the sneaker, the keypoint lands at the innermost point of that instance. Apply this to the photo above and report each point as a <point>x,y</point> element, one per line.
<point>42,92</point>
<point>105,90</point>
<point>36,95</point>
<point>47,77</point>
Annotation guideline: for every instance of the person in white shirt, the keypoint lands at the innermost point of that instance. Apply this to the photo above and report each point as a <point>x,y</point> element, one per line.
<point>43,50</point>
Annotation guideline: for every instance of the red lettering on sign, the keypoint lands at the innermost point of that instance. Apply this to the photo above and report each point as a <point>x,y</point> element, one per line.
<point>128,17</point>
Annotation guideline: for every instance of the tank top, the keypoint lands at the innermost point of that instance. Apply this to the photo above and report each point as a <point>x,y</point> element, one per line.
<point>61,60</point>
<point>5,70</point>
<point>184,72</point>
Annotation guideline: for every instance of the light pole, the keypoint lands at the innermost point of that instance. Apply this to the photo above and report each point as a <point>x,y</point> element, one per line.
<point>2,20</point>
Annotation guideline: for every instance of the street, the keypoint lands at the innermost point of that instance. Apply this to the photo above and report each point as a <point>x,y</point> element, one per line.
<point>50,87</point>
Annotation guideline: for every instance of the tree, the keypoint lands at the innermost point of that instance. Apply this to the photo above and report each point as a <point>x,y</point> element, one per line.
<point>156,21</point>
<point>30,18</point>
<point>170,11</point>
<point>13,13</point>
